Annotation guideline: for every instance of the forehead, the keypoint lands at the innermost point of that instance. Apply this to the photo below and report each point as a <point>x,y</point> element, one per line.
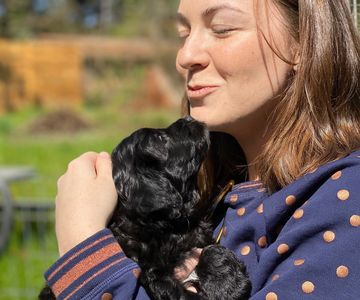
<point>265,13</point>
<point>189,6</point>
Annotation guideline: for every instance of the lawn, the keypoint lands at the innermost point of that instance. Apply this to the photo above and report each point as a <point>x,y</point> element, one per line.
<point>113,117</point>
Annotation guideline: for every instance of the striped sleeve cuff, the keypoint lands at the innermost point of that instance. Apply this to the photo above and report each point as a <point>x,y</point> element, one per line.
<point>87,265</point>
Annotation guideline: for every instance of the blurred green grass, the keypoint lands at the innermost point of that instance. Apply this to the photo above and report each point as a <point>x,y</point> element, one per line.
<point>113,116</point>
<point>49,155</point>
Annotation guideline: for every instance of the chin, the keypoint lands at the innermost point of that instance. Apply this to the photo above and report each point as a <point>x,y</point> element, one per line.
<point>212,124</point>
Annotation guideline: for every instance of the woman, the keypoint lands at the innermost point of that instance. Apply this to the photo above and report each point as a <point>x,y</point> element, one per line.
<point>277,83</point>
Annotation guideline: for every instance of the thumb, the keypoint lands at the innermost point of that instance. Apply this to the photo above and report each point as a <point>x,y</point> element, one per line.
<point>103,164</point>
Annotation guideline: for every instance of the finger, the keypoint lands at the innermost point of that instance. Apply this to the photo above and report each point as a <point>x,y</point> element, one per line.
<point>103,165</point>
<point>59,181</point>
<point>84,164</point>
<point>185,270</point>
<point>197,252</point>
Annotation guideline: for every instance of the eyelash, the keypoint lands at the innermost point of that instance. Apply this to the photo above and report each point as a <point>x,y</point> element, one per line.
<point>223,31</point>
<point>182,36</point>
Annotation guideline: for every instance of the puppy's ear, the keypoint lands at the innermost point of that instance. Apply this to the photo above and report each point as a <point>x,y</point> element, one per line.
<point>189,145</point>
<point>156,199</point>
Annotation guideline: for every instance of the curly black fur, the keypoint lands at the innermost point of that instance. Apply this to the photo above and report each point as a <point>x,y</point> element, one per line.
<point>158,220</point>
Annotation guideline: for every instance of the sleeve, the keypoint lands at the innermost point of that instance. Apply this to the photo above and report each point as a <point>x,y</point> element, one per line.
<point>97,268</point>
<point>316,254</point>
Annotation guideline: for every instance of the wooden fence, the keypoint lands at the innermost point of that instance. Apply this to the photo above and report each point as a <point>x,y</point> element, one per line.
<point>39,72</point>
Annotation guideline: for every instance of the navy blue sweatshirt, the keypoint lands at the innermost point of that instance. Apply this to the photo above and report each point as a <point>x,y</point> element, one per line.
<point>302,242</point>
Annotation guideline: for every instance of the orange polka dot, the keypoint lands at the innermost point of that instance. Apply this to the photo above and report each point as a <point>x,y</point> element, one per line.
<point>262,241</point>
<point>245,250</point>
<point>337,175</point>
<point>355,220</point>
<point>241,211</point>
<point>342,271</point>
<point>308,287</point>
<point>275,277</point>
<point>136,272</point>
<point>343,195</point>
<point>290,200</point>
<point>271,296</point>
<point>299,262</point>
<point>283,248</point>
<point>298,213</point>
<point>233,198</point>
<point>260,209</point>
<point>329,236</point>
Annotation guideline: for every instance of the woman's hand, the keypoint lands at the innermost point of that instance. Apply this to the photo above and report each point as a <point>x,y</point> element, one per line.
<point>183,272</point>
<point>85,200</point>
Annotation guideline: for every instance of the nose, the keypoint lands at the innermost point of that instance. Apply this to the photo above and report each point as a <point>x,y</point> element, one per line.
<point>192,55</point>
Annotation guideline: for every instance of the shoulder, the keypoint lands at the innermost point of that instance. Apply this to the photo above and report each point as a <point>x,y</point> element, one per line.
<point>313,235</point>
<point>327,197</point>
<point>338,182</point>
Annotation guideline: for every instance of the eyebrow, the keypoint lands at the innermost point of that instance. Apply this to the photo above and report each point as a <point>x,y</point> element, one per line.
<point>212,10</point>
<point>180,18</point>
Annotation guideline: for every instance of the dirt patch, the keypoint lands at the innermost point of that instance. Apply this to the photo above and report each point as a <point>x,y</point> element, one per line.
<point>62,121</point>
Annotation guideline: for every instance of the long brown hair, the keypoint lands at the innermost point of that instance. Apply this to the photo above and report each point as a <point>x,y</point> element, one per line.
<point>317,119</point>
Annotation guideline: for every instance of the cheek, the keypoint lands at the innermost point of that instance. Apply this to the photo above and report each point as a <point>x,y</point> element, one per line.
<point>238,55</point>
<point>251,65</point>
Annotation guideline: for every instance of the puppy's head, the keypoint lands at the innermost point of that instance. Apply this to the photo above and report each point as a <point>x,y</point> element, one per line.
<point>155,171</point>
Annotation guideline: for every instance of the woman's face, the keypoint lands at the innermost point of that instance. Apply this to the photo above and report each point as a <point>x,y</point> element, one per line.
<point>231,73</point>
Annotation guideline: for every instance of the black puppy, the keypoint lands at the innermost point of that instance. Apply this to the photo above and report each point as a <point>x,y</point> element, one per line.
<point>158,221</point>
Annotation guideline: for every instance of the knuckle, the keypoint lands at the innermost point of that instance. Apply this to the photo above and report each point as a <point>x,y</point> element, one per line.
<point>88,155</point>
<point>59,181</point>
<point>72,164</point>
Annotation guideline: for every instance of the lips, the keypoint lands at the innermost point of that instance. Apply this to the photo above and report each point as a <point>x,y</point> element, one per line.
<point>200,91</point>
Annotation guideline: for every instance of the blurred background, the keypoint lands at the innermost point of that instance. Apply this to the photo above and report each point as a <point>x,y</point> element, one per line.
<point>75,75</point>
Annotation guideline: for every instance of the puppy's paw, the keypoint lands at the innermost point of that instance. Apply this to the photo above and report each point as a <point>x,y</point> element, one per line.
<point>222,275</point>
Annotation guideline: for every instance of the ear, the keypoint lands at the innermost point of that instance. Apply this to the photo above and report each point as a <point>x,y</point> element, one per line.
<point>296,59</point>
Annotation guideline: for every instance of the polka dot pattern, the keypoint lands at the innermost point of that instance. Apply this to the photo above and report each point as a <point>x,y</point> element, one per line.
<point>260,208</point>
<point>342,271</point>
<point>355,220</point>
<point>308,287</point>
<point>241,211</point>
<point>299,262</point>
<point>282,249</point>
<point>298,214</point>
<point>262,241</point>
<point>271,296</point>
<point>275,277</point>
<point>290,200</point>
<point>329,236</point>
<point>245,250</point>
<point>343,195</point>
<point>136,273</point>
<point>234,198</point>
<point>337,175</point>
<point>297,222</point>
